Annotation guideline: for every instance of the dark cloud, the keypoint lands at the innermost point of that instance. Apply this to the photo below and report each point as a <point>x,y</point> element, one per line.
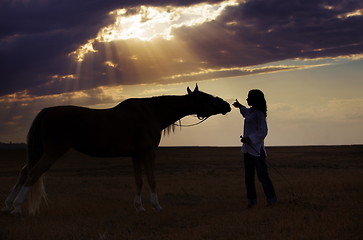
<point>37,36</point>
<point>262,31</point>
<point>31,16</point>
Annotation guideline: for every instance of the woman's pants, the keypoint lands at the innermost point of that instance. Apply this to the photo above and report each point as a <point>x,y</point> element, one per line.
<point>259,163</point>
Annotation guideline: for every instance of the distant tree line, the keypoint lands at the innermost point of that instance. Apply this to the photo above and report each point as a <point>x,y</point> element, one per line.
<point>11,145</point>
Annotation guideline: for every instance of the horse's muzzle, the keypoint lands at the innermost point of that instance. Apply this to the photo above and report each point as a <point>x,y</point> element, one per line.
<point>227,109</point>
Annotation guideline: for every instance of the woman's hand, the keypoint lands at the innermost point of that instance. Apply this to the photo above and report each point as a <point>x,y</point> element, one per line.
<point>246,140</point>
<point>236,104</point>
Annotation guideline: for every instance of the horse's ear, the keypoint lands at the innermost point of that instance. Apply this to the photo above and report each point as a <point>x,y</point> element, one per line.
<point>189,91</point>
<point>196,89</point>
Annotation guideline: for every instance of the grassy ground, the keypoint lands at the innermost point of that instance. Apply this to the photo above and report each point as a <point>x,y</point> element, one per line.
<point>202,191</point>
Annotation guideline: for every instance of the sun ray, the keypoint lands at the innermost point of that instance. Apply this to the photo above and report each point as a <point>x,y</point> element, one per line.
<point>147,23</point>
<point>141,45</point>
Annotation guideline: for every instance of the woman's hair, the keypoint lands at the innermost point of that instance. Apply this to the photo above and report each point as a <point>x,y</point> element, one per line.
<point>256,100</point>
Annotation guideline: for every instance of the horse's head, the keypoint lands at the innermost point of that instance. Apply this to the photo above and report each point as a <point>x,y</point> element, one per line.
<point>207,105</point>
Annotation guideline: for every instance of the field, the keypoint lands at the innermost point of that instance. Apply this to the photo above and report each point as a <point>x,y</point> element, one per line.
<point>201,189</point>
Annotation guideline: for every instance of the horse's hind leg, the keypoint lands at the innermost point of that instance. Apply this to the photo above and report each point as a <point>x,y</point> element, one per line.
<point>138,181</point>
<point>15,190</point>
<point>46,161</point>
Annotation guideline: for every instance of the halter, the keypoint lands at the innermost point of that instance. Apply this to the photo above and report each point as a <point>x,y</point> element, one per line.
<point>202,119</point>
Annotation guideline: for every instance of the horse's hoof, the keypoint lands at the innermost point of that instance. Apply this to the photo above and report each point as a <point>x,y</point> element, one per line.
<point>7,209</point>
<point>140,209</point>
<point>157,208</point>
<point>16,212</point>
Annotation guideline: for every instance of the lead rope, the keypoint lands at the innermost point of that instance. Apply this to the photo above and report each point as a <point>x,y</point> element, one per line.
<point>290,186</point>
<point>202,119</point>
<point>294,197</point>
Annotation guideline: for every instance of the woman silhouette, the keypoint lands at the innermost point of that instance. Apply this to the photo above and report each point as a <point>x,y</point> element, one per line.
<point>254,133</point>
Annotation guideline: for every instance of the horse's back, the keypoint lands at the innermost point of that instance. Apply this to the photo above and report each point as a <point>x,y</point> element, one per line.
<point>118,131</point>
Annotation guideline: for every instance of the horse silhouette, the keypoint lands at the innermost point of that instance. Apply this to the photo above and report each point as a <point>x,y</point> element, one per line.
<point>132,129</point>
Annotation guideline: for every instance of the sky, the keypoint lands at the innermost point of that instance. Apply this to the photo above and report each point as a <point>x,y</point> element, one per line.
<point>305,55</point>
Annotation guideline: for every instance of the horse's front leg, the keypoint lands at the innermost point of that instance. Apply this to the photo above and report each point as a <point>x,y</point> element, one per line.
<point>149,162</point>
<point>137,162</point>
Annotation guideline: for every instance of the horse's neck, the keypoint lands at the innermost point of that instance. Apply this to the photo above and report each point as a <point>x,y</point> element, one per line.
<point>170,109</point>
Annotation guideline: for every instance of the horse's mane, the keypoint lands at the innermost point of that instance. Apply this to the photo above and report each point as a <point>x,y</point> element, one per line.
<point>155,101</point>
<point>171,128</point>
<point>166,99</point>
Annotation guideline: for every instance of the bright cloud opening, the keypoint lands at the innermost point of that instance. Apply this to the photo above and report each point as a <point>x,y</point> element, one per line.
<point>358,12</point>
<point>146,23</point>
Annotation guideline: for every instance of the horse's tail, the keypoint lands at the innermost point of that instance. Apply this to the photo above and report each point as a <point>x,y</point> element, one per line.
<point>36,194</point>
<point>35,152</point>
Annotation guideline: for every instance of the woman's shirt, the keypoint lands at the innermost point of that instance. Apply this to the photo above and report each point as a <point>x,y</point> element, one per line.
<point>255,127</point>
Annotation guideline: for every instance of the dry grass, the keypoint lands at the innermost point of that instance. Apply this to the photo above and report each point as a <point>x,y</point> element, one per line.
<point>202,192</point>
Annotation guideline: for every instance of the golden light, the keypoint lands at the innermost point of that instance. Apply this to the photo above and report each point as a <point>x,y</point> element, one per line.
<point>147,23</point>
<point>83,50</point>
<point>111,64</point>
<point>355,13</point>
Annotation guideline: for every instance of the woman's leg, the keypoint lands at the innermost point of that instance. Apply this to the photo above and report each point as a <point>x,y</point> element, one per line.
<point>263,176</point>
<point>250,179</point>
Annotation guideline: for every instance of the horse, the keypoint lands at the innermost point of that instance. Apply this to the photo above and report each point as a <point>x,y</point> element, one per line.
<point>130,129</point>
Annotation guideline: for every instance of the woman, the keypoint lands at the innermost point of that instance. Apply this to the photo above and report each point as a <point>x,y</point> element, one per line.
<point>254,133</point>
